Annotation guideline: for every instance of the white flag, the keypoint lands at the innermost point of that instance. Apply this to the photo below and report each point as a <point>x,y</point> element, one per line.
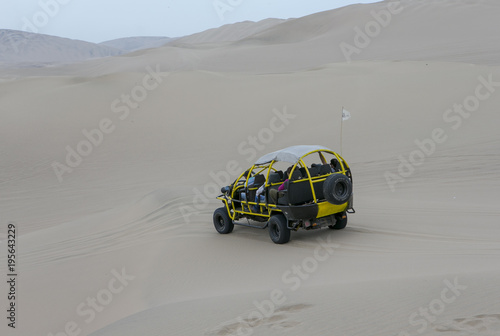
<point>345,114</point>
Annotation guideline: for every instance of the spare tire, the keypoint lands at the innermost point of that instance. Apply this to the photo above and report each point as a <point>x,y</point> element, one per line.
<point>337,189</point>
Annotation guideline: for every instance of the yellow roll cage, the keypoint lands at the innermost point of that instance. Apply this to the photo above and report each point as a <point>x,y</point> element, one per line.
<point>270,207</point>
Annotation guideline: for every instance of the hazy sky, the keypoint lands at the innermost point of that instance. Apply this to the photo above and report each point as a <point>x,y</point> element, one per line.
<point>101,20</point>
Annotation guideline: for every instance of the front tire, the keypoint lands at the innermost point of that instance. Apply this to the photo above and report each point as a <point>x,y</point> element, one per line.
<point>278,230</point>
<point>222,222</point>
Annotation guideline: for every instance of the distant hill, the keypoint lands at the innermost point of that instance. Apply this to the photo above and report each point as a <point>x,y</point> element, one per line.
<point>335,36</point>
<point>129,44</point>
<point>229,32</point>
<point>23,47</point>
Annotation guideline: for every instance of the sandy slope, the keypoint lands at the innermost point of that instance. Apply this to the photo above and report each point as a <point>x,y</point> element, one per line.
<point>441,223</point>
<point>229,32</point>
<point>113,229</point>
<point>128,44</point>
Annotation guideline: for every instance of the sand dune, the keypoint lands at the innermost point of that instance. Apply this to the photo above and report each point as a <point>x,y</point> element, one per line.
<point>439,30</point>
<point>229,32</point>
<point>123,243</point>
<point>128,44</point>
<point>121,205</point>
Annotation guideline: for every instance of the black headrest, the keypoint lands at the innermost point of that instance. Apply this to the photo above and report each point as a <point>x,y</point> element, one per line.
<point>259,179</point>
<point>296,175</point>
<point>325,169</point>
<point>274,178</point>
<point>314,170</point>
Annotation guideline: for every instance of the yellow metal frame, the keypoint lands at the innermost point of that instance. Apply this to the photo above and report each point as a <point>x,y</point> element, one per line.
<point>324,208</point>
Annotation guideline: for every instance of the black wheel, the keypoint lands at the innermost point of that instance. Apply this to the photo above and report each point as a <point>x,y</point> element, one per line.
<point>278,230</point>
<point>222,222</point>
<point>340,223</point>
<point>337,189</point>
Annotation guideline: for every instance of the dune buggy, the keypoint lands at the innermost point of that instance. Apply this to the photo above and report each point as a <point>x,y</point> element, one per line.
<point>299,187</point>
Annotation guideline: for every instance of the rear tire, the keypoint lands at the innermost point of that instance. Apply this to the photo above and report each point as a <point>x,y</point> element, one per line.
<point>341,222</point>
<point>278,230</point>
<point>222,222</point>
<point>337,189</point>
